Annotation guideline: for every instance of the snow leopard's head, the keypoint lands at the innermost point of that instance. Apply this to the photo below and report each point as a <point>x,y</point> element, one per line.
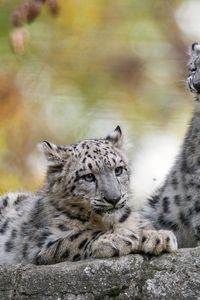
<point>91,172</point>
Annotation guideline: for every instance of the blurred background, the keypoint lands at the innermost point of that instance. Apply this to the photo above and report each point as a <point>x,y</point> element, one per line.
<point>96,65</point>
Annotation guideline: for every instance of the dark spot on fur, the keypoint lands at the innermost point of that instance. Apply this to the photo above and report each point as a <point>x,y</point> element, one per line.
<point>184,219</point>
<point>96,235</point>
<point>13,234</point>
<point>174,182</point>
<point>165,205</point>
<point>157,241</point>
<point>75,216</point>
<point>116,251</point>
<point>65,254</point>
<point>133,236</point>
<point>128,243</point>
<point>5,201</point>
<point>82,244</point>
<point>72,188</point>
<point>24,250</point>
<point>197,232</point>
<point>90,166</point>
<point>9,246</point>
<point>144,239</point>
<point>76,235</point>
<point>98,211</point>
<point>36,220</point>
<point>125,216</point>
<point>97,164</point>
<point>190,212</point>
<point>76,257</point>
<point>19,199</point>
<point>57,247</point>
<point>167,223</point>
<point>188,198</point>
<point>4,227</point>
<point>197,206</point>
<point>177,200</point>
<point>153,201</point>
<point>54,169</point>
<point>114,160</point>
<point>63,227</point>
<point>42,238</point>
<point>88,244</point>
<point>60,148</point>
<point>49,244</point>
<point>24,229</point>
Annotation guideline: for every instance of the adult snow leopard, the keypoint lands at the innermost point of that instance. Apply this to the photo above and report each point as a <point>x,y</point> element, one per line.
<point>176,205</point>
<point>83,209</point>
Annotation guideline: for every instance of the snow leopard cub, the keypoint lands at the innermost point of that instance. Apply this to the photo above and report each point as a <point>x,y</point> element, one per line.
<point>176,205</point>
<point>82,211</point>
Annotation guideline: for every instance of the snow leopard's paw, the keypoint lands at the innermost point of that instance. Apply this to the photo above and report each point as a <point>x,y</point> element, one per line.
<point>156,242</point>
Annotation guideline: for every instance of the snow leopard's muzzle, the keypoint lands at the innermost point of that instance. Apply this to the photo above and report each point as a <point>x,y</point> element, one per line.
<point>193,82</point>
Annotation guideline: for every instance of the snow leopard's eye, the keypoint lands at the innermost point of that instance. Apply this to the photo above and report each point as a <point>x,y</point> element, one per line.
<point>118,171</point>
<point>89,177</point>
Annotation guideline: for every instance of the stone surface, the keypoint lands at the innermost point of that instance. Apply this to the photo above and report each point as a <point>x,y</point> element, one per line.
<point>170,276</point>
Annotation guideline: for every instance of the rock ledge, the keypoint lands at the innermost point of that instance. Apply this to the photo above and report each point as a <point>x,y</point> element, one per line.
<point>170,276</point>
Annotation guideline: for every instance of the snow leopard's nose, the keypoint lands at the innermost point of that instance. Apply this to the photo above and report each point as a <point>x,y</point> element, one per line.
<point>112,200</point>
<point>110,188</point>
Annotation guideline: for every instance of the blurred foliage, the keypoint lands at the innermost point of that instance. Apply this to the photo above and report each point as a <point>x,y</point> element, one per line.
<point>93,66</point>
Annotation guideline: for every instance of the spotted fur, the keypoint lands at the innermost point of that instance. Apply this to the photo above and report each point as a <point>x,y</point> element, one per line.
<point>82,211</point>
<point>176,205</point>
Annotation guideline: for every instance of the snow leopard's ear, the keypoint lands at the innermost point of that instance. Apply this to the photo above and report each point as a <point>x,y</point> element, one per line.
<point>116,137</point>
<point>53,153</point>
<point>195,48</point>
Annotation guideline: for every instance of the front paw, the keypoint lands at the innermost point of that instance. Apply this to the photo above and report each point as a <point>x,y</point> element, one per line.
<point>127,241</point>
<point>156,242</point>
<point>121,242</point>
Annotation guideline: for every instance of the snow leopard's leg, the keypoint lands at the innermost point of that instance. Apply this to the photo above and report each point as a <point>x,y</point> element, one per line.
<point>98,244</point>
<point>83,244</point>
<point>176,205</point>
<point>146,241</point>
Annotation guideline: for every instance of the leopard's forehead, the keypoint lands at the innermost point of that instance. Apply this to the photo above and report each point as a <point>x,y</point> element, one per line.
<point>99,152</point>
<point>95,147</point>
